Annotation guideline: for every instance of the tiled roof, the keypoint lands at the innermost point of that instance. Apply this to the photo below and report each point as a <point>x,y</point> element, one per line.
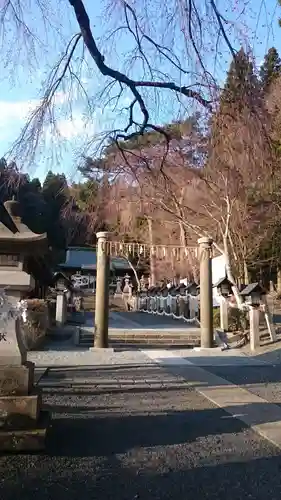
<point>84,258</point>
<point>119,263</point>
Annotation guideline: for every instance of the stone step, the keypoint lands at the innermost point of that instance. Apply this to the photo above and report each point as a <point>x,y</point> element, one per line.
<point>89,303</point>
<point>145,332</point>
<point>178,338</point>
<point>20,408</point>
<point>144,336</point>
<point>147,341</point>
<point>115,303</point>
<point>76,318</point>
<point>30,438</point>
<point>144,339</point>
<point>16,380</point>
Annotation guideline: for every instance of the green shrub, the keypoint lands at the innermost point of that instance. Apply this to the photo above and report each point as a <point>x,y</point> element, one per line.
<point>37,322</point>
<point>237,319</point>
<point>216,317</point>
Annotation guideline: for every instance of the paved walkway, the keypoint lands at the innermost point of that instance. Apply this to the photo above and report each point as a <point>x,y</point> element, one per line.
<point>63,354</point>
<point>141,321</point>
<point>248,388</point>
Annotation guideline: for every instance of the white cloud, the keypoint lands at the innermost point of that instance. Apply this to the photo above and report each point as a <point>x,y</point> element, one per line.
<point>12,118</point>
<point>19,110</point>
<point>15,110</point>
<point>77,126</point>
<point>72,133</point>
<point>13,115</point>
<point>61,97</point>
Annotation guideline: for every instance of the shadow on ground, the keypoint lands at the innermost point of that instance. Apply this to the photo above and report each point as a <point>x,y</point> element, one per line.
<point>256,479</point>
<point>155,439</point>
<point>118,434</point>
<point>142,457</point>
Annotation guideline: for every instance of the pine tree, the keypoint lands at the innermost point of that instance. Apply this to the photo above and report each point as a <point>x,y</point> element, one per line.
<point>242,85</point>
<point>271,68</point>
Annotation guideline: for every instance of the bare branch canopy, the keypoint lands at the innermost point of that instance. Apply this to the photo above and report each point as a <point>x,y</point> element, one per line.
<point>163,58</point>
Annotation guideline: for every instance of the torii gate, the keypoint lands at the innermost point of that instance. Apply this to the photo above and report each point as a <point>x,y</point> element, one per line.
<point>106,248</point>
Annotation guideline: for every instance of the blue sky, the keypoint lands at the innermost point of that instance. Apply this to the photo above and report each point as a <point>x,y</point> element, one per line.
<point>20,84</point>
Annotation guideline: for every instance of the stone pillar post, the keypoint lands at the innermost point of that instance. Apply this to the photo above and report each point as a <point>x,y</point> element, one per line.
<point>118,290</point>
<point>61,309</point>
<point>269,320</point>
<point>206,292</point>
<point>254,315</point>
<point>224,314</point>
<point>102,290</point>
<point>193,307</point>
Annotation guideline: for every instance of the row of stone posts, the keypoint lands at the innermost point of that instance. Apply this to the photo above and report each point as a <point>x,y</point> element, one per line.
<point>102,291</point>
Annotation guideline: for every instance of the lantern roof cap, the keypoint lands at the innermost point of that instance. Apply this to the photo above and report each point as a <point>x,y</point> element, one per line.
<point>23,234</point>
<point>223,280</point>
<point>253,287</point>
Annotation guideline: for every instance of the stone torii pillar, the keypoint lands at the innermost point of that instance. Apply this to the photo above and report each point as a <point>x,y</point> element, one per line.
<point>206,292</point>
<point>102,290</point>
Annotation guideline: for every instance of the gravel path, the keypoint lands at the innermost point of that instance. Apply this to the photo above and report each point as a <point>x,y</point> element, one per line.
<point>139,432</point>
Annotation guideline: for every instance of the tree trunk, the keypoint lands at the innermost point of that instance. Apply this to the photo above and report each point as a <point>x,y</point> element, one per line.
<point>229,273</point>
<point>246,273</point>
<point>183,240</point>
<point>152,254</point>
<point>279,280</point>
<point>135,274</point>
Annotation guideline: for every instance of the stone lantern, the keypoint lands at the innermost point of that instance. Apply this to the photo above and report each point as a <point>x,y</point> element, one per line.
<point>15,250</point>
<point>224,287</point>
<point>22,424</point>
<point>192,289</point>
<point>127,287</point>
<point>253,295</point>
<point>64,291</point>
<point>224,290</point>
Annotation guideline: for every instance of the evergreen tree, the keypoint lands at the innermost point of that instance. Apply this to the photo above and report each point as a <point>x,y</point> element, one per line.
<point>55,194</point>
<point>35,185</point>
<point>55,191</point>
<point>271,68</point>
<point>242,86</point>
